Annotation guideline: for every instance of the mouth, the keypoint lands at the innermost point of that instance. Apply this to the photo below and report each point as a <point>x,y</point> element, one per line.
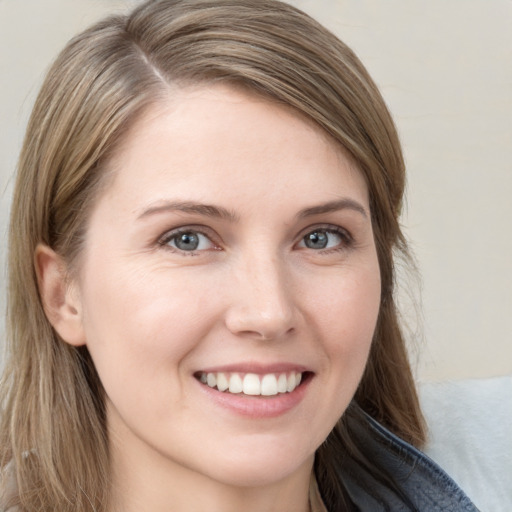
<point>253,384</point>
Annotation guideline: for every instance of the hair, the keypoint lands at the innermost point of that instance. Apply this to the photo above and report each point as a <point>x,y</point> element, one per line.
<point>53,424</point>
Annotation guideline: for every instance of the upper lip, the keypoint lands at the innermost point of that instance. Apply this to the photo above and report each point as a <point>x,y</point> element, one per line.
<point>257,368</point>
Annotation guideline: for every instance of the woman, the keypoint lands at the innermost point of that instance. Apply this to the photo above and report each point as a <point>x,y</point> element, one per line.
<point>201,311</point>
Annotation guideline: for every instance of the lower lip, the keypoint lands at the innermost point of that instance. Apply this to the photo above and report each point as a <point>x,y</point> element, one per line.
<point>257,406</point>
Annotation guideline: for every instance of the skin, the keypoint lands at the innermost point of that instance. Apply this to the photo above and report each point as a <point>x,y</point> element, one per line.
<point>253,294</point>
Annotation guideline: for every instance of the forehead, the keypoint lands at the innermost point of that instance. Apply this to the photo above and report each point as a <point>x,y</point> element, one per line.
<point>221,138</point>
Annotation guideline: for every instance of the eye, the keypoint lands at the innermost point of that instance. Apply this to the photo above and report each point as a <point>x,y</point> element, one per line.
<point>187,241</point>
<point>325,238</point>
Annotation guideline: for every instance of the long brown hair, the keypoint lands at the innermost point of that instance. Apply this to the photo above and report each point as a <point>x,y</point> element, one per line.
<point>53,428</point>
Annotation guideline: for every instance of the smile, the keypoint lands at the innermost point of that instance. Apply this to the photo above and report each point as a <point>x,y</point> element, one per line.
<point>252,384</point>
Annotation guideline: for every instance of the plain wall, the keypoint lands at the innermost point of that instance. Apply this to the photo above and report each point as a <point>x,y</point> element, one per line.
<point>444,67</point>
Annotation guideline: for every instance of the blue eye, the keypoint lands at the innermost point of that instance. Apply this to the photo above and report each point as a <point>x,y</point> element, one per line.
<point>188,241</point>
<point>324,239</point>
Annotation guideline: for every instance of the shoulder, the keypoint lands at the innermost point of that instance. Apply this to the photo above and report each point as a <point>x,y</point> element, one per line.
<point>401,477</point>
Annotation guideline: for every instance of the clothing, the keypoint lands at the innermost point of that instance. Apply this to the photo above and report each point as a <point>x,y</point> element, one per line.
<point>419,484</point>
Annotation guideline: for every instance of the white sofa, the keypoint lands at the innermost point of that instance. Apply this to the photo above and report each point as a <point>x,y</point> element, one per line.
<point>470,436</point>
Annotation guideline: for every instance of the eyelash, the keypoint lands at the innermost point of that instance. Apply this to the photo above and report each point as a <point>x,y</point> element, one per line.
<point>346,241</point>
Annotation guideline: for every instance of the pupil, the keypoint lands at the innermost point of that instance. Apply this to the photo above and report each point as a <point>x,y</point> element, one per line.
<point>187,242</point>
<point>316,240</point>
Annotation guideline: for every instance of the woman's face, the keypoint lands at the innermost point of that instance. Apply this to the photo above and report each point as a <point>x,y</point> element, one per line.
<point>231,253</point>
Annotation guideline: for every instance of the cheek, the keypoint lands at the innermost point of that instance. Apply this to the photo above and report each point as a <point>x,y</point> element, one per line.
<point>348,316</point>
<point>351,304</point>
<point>130,301</point>
<point>137,323</point>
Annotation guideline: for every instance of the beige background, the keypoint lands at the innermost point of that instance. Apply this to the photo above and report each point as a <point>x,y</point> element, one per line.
<point>444,67</point>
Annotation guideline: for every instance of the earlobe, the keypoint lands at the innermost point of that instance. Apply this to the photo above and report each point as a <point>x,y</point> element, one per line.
<point>59,296</point>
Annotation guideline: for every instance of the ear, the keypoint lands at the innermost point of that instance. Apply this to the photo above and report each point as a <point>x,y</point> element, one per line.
<point>59,296</point>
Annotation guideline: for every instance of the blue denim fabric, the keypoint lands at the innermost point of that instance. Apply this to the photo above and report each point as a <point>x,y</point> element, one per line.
<point>415,484</point>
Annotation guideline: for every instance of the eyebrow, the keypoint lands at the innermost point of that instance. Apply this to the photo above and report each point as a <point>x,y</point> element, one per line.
<point>333,206</point>
<point>207,210</point>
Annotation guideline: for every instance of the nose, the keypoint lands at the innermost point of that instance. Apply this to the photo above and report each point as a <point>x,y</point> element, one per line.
<point>262,305</point>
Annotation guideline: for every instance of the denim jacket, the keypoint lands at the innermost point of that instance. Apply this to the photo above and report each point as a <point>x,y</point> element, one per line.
<point>420,485</point>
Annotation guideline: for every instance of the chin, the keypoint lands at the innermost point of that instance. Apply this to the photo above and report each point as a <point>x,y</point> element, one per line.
<point>261,464</point>
<point>260,476</point>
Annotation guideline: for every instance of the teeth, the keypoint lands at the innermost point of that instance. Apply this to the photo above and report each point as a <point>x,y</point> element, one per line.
<point>252,384</point>
<point>211,380</point>
<point>235,384</point>
<point>222,382</point>
<point>269,385</point>
<point>282,383</point>
<point>292,382</point>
